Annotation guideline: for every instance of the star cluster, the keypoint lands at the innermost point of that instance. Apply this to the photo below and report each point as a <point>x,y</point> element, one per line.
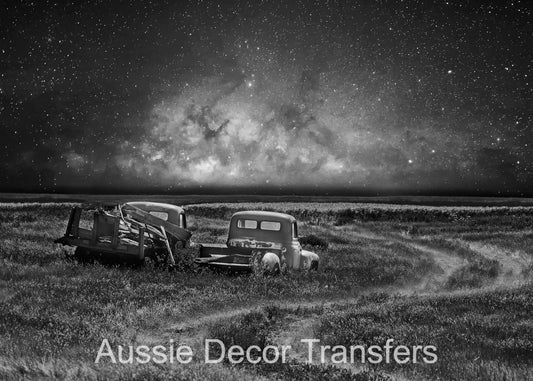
<point>343,96</point>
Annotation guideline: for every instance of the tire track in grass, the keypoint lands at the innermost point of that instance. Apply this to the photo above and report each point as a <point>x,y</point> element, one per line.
<point>296,328</point>
<point>298,320</point>
<point>292,326</point>
<point>446,260</point>
<point>513,263</point>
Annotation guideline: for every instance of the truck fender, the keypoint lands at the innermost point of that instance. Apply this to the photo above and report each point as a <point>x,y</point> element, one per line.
<point>270,263</point>
<point>309,260</point>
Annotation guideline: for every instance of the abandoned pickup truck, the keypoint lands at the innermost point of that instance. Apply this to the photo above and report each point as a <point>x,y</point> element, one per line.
<point>132,232</point>
<point>267,239</point>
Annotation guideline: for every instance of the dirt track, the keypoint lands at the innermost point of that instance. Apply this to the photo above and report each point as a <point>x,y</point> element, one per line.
<point>295,326</point>
<point>513,263</point>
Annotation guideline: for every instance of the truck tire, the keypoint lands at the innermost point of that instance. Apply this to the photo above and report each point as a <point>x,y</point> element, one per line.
<point>83,255</point>
<point>276,270</point>
<point>270,264</point>
<point>155,257</point>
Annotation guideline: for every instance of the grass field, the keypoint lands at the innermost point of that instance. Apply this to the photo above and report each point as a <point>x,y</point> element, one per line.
<point>457,277</point>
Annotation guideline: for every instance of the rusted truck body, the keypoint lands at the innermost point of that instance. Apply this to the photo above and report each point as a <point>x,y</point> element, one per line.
<point>132,232</point>
<point>267,239</point>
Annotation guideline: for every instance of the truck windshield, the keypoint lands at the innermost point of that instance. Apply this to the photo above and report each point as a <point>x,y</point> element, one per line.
<point>247,224</point>
<point>162,215</point>
<point>270,225</point>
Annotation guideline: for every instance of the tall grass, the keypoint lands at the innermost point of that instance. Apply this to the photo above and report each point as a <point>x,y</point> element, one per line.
<point>479,335</point>
<point>348,212</point>
<point>54,312</point>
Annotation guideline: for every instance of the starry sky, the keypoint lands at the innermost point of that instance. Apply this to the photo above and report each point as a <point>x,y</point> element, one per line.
<point>352,97</point>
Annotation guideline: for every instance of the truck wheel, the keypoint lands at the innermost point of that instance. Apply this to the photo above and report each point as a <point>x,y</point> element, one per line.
<point>270,264</point>
<point>274,271</point>
<point>314,266</point>
<point>155,257</point>
<point>83,255</point>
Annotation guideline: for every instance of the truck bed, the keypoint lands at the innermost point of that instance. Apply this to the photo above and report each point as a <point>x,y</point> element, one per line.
<point>106,236</point>
<point>222,256</point>
<point>208,249</point>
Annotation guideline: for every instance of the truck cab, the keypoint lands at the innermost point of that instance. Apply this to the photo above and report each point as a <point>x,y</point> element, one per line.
<point>173,214</point>
<point>268,237</point>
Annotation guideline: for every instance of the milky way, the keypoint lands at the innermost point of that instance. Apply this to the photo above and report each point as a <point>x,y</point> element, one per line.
<point>268,96</point>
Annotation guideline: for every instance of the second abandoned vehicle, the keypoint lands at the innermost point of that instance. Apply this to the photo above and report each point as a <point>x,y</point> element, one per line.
<point>133,232</point>
<point>267,239</point>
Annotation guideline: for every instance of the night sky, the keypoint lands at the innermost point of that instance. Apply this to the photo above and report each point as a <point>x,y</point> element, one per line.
<point>355,97</point>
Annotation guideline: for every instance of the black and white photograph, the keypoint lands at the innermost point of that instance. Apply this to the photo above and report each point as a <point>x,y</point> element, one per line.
<point>297,190</point>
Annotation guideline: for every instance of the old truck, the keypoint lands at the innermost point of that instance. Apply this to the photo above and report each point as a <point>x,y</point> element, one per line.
<point>259,240</point>
<point>131,232</point>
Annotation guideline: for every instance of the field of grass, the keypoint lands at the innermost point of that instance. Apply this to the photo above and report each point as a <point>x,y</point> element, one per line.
<point>457,277</point>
